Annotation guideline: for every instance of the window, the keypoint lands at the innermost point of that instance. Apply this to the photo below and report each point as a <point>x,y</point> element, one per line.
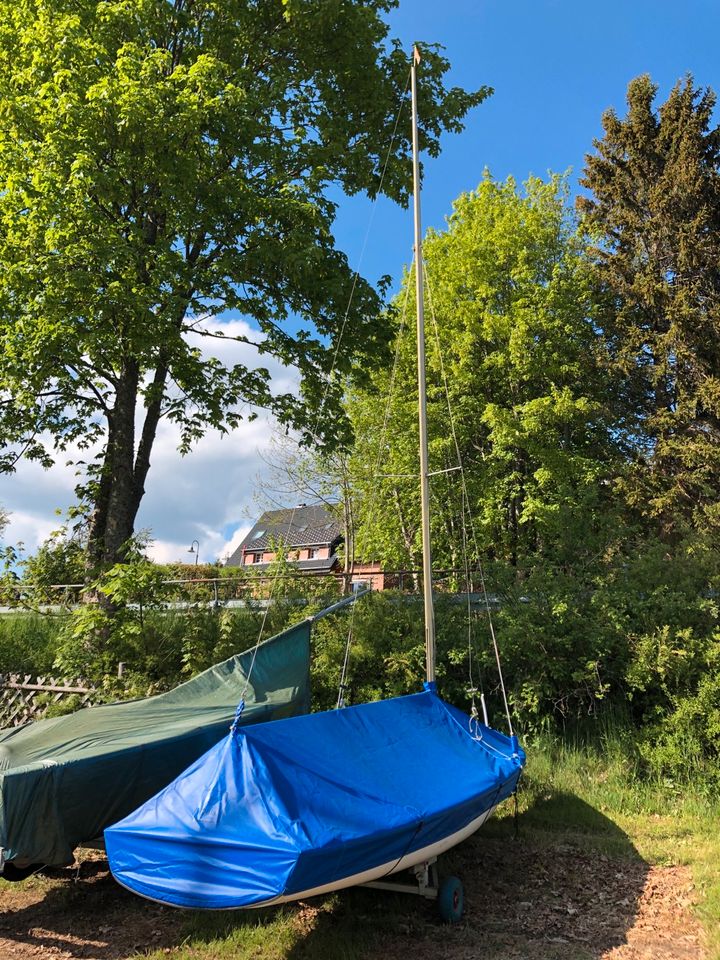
<point>312,553</point>
<point>254,558</point>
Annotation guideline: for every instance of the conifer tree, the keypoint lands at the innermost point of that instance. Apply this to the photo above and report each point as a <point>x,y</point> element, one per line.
<point>654,212</point>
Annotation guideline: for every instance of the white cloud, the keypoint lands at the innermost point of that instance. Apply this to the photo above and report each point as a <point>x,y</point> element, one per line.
<point>237,538</point>
<point>207,495</point>
<point>30,529</point>
<point>213,546</point>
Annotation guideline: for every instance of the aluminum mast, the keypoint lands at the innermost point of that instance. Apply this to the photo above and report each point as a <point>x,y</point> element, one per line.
<point>422,394</point>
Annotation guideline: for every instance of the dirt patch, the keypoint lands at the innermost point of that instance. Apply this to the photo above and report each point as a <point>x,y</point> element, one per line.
<point>80,913</point>
<point>527,902</point>
<point>664,926</point>
<point>523,902</point>
<point>605,907</point>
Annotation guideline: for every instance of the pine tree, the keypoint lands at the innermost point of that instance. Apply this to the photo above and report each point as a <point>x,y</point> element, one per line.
<point>654,214</point>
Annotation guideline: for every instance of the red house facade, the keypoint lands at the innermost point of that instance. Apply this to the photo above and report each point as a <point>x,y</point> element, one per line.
<point>309,535</point>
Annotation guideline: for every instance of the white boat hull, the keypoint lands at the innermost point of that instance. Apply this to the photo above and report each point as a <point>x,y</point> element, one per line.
<point>431,852</point>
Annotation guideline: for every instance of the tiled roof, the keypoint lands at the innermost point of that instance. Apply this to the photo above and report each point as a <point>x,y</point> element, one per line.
<point>304,526</point>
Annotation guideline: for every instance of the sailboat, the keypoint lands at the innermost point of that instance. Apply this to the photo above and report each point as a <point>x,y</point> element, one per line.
<point>63,780</point>
<point>290,809</point>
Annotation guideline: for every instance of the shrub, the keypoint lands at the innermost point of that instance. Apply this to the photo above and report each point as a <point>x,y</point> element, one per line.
<point>28,642</point>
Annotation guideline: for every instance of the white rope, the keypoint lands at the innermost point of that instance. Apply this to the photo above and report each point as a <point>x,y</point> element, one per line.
<point>329,380</point>
<point>343,676</point>
<point>466,502</point>
<point>413,476</point>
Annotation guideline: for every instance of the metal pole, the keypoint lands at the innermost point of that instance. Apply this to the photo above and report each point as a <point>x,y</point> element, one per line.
<point>337,606</point>
<point>422,394</point>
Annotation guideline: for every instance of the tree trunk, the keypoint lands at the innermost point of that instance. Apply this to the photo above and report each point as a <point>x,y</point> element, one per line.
<point>121,484</point>
<point>98,517</point>
<point>408,539</point>
<point>149,430</point>
<point>122,502</point>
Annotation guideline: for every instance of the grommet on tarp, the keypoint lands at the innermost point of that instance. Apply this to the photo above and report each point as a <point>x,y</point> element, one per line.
<point>238,713</point>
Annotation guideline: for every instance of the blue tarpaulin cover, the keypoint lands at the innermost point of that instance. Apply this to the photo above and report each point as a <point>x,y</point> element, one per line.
<point>282,808</point>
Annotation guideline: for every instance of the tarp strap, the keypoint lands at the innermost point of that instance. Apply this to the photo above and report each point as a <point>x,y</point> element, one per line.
<point>238,713</point>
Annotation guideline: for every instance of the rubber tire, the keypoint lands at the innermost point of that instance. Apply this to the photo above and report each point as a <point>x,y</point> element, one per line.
<point>14,874</point>
<point>451,900</point>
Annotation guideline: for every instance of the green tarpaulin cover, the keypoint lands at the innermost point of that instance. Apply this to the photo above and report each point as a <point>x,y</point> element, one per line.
<point>63,781</point>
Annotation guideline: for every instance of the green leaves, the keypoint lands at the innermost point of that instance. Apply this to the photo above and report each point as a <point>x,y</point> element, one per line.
<point>163,164</point>
<point>517,345</point>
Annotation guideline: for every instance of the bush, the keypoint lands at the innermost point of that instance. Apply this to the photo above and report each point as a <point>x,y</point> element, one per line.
<point>387,650</point>
<point>28,642</point>
<point>635,632</point>
<point>160,643</point>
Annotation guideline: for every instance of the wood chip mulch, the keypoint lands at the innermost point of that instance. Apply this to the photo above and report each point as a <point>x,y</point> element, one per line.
<point>523,902</point>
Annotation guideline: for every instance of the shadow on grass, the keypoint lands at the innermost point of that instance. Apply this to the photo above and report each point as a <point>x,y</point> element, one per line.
<point>80,913</point>
<point>568,886</point>
<point>566,889</point>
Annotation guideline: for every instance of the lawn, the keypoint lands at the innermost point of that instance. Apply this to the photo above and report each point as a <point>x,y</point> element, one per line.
<point>597,864</point>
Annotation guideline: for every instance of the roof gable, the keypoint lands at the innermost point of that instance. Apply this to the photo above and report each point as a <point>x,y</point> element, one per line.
<point>303,526</point>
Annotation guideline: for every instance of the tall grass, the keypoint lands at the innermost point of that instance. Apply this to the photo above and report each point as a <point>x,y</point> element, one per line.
<point>28,642</point>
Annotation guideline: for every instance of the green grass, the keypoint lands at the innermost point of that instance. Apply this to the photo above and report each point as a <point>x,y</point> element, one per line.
<point>594,795</point>
<point>576,796</point>
<point>341,927</point>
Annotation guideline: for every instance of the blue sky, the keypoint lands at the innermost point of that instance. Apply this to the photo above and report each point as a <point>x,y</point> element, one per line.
<point>556,65</point>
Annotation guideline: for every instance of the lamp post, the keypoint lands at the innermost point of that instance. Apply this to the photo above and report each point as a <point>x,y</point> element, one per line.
<point>195,548</point>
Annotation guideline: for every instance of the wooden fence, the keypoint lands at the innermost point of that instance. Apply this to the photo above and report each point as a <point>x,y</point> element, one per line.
<point>26,698</point>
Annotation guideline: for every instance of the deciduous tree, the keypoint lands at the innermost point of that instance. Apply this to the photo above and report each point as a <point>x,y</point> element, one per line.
<point>162,163</point>
<point>510,330</point>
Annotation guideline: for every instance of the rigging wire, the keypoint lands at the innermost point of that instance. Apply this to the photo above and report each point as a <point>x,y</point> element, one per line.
<point>466,502</point>
<point>328,381</point>
<point>374,476</point>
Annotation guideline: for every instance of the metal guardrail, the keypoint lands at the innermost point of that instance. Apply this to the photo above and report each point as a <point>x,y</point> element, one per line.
<point>228,592</point>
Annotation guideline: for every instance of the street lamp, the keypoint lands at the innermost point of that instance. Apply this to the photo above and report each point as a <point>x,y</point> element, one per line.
<point>195,548</point>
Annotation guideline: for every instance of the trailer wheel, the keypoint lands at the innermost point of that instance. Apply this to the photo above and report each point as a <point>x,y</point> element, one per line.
<point>451,900</point>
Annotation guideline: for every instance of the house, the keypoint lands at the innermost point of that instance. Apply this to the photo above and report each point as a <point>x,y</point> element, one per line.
<point>310,536</point>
